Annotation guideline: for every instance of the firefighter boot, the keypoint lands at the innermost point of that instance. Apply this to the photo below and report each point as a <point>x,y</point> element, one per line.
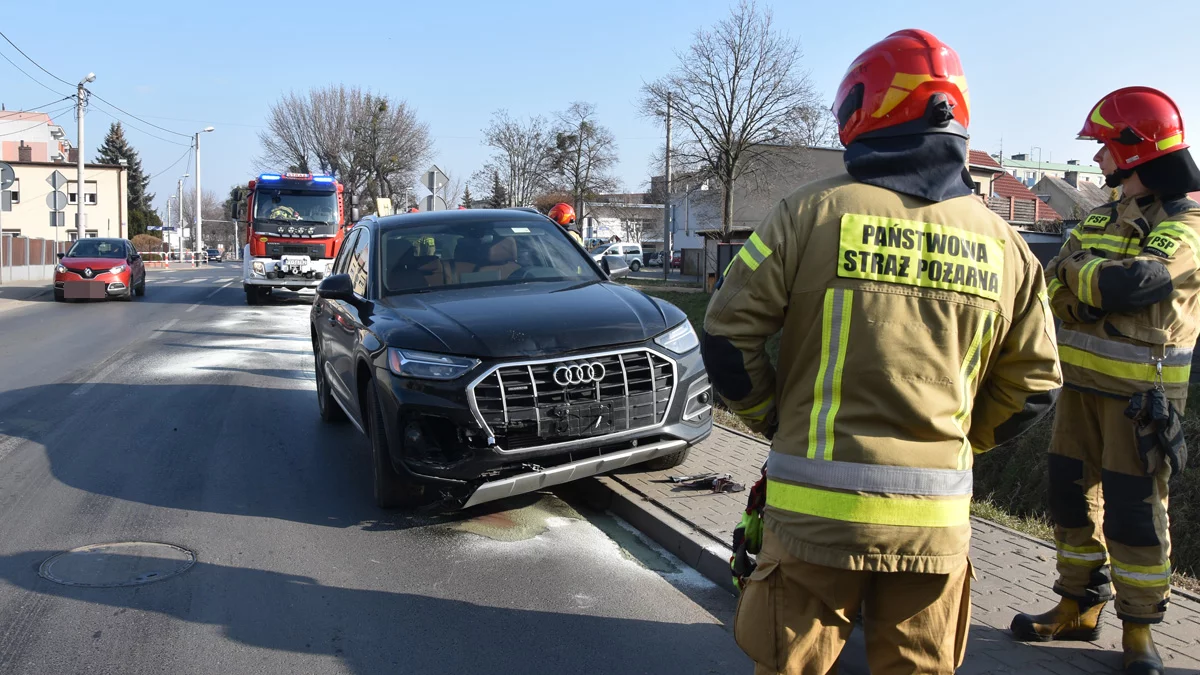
<point>1067,621</point>
<point>1141,658</point>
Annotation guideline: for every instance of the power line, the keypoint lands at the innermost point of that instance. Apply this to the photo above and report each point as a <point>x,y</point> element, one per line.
<point>135,128</point>
<point>34,109</point>
<point>169,131</point>
<point>35,80</point>
<point>14,46</point>
<point>185,154</point>
<point>39,124</point>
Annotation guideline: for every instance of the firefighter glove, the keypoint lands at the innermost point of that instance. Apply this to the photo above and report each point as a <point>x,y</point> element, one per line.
<point>1158,430</point>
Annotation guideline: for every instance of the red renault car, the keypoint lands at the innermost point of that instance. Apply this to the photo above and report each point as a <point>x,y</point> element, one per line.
<point>99,268</point>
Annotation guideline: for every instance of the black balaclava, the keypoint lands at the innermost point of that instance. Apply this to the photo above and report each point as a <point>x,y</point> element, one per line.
<point>1170,175</point>
<point>925,158</point>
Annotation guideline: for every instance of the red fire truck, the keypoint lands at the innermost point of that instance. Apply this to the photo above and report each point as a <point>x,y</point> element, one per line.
<point>295,223</point>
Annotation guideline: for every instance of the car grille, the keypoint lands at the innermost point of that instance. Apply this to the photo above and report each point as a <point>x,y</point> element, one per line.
<point>525,407</point>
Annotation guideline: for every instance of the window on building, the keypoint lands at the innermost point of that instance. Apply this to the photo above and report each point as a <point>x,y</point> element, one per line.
<point>89,192</point>
<point>15,191</point>
<point>976,187</point>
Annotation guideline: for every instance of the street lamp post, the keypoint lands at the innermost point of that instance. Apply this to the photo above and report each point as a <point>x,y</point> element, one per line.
<point>179,222</point>
<point>80,99</point>
<point>199,216</point>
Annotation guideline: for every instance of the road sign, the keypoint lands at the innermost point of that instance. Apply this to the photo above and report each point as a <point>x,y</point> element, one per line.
<point>435,179</point>
<point>57,201</point>
<point>57,179</point>
<point>58,219</point>
<point>383,207</point>
<point>7,176</point>
<point>434,203</point>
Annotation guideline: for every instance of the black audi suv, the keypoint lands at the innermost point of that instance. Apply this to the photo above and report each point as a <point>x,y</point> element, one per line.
<point>485,354</point>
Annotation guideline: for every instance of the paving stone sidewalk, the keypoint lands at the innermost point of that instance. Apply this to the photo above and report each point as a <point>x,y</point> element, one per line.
<point>1014,573</point>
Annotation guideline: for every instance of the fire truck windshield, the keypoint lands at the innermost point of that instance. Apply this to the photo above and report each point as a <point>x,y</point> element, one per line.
<point>277,208</point>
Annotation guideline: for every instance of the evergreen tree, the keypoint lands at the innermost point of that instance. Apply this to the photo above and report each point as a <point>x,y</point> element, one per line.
<point>499,198</point>
<point>466,198</point>
<point>115,149</point>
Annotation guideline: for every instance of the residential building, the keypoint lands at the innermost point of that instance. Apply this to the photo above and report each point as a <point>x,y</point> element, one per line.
<point>617,219</point>
<point>983,169</point>
<point>26,205</point>
<point>1013,202</point>
<point>31,137</point>
<point>1029,172</point>
<point>1071,197</point>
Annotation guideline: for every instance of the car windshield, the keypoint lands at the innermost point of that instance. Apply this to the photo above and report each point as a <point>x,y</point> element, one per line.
<point>97,248</point>
<point>293,206</point>
<point>599,249</point>
<point>457,254</point>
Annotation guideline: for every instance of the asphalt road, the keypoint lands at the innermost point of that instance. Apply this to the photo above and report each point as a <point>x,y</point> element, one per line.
<point>187,417</point>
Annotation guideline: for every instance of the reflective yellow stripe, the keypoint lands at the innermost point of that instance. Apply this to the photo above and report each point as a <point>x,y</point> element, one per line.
<point>871,509</point>
<point>827,390</point>
<point>1079,549</point>
<point>1142,576</point>
<point>967,373</point>
<point>758,412</point>
<point>1142,372</point>
<point>1180,231</point>
<point>754,252</point>
<point>1083,556</point>
<point>1098,118</point>
<point>1054,287</point>
<point>1086,273</point>
<point>1169,141</point>
<point>1111,243</point>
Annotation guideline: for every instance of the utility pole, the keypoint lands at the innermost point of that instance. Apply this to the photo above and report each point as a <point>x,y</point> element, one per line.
<point>80,102</point>
<point>199,216</point>
<point>179,222</point>
<point>668,245</point>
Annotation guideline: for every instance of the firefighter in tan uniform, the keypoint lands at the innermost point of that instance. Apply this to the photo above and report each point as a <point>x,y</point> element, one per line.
<point>915,334</point>
<point>1125,287</point>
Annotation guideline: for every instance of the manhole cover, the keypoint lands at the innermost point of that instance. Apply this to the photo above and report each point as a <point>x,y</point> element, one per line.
<point>130,563</point>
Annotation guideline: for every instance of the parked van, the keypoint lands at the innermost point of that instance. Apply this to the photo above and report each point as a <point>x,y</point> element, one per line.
<point>631,253</point>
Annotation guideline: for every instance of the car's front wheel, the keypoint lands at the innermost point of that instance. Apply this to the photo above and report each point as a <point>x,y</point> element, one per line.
<point>391,488</point>
<point>331,412</point>
<point>141,288</point>
<point>60,296</point>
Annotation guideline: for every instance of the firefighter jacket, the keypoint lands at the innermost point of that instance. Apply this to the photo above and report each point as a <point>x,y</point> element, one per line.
<point>1125,286</point>
<point>914,334</point>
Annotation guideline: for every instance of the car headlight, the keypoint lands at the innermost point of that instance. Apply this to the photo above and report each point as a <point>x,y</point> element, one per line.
<point>258,267</point>
<point>118,269</point>
<point>328,268</point>
<point>680,339</point>
<point>426,366</point>
<point>60,269</point>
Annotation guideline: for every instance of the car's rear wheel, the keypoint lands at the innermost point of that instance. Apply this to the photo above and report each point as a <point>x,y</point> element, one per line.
<point>331,412</point>
<point>667,461</point>
<point>391,488</point>
<point>635,265</point>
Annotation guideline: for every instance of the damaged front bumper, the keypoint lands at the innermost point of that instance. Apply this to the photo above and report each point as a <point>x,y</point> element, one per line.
<point>436,435</point>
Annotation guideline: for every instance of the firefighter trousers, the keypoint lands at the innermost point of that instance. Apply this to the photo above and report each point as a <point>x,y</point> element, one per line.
<point>794,617</point>
<point>1110,518</point>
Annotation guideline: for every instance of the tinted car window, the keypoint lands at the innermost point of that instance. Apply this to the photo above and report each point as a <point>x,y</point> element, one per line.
<point>358,263</point>
<point>489,253</point>
<point>339,265</point>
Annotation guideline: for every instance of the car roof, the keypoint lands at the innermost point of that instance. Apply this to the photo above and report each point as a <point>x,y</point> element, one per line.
<point>108,239</point>
<point>404,220</point>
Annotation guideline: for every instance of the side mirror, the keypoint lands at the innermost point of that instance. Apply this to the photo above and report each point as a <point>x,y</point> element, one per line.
<point>136,256</point>
<point>354,214</point>
<point>235,211</point>
<point>336,287</point>
<point>61,255</point>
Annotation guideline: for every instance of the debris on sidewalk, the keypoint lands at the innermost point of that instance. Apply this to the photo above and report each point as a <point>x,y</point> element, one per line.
<point>717,482</point>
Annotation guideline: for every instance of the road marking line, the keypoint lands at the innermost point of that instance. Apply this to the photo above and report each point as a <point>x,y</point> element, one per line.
<point>192,307</point>
<point>86,387</point>
<point>218,290</point>
<point>168,325</point>
<point>195,281</point>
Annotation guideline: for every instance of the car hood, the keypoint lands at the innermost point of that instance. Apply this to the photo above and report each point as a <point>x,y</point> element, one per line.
<point>96,264</point>
<point>523,320</point>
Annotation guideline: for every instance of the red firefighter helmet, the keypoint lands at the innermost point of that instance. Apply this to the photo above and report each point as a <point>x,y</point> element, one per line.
<point>1136,124</point>
<point>892,82</point>
<point>562,213</point>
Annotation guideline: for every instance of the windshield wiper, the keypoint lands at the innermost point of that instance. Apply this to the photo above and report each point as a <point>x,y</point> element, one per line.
<point>577,286</point>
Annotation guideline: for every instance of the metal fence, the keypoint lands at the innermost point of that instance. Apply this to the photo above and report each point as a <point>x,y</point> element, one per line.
<point>28,259</point>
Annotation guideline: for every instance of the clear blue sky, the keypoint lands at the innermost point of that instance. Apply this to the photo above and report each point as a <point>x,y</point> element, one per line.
<point>1034,68</point>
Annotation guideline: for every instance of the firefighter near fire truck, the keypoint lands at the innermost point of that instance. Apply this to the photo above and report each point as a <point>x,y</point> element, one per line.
<point>295,224</point>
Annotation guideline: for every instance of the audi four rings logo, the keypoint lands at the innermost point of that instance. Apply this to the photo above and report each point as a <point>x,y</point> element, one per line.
<point>579,373</point>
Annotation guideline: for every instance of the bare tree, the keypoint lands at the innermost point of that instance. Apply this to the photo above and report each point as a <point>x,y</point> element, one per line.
<point>584,152</point>
<point>522,157</point>
<point>737,93</point>
<point>373,145</point>
<point>214,216</point>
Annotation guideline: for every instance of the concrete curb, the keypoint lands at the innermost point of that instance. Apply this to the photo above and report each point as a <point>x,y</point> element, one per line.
<point>690,544</point>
